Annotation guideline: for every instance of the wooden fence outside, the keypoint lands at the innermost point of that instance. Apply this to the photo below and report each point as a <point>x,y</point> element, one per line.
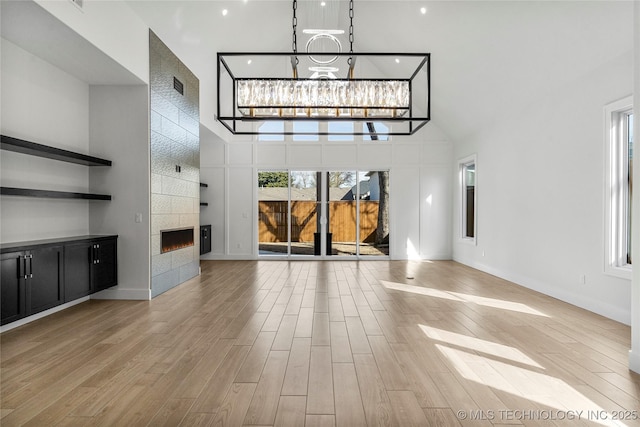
<point>272,221</point>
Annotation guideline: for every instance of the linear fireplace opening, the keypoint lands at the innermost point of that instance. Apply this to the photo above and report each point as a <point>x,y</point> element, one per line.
<point>172,240</point>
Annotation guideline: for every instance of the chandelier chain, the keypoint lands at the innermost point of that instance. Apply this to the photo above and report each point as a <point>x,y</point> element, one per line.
<point>350,26</point>
<point>350,31</point>
<point>294,24</point>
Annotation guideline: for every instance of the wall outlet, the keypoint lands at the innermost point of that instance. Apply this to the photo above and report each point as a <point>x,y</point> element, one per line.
<point>138,217</point>
<point>239,245</point>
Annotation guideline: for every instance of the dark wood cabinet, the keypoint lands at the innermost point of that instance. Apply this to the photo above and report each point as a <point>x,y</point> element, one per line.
<point>40,275</point>
<point>13,302</point>
<point>31,282</point>
<point>90,267</point>
<point>77,275</point>
<point>104,272</point>
<point>45,286</point>
<point>205,239</point>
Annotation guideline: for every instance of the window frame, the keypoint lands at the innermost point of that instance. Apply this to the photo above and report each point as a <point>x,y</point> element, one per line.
<point>617,198</point>
<point>463,164</point>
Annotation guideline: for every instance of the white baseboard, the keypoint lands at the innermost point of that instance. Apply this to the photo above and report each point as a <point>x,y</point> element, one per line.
<point>595,306</point>
<point>634,361</point>
<point>123,294</point>
<point>221,257</point>
<point>42,314</point>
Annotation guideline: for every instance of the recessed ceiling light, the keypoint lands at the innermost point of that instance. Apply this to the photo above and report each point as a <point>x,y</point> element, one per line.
<point>397,60</point>
<point>249,62</point>
<point>423,10</point>
<point>224,12</point>
<point>323,4</point>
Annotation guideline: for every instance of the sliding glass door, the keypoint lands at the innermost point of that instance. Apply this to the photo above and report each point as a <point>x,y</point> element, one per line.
<point>339,213</point>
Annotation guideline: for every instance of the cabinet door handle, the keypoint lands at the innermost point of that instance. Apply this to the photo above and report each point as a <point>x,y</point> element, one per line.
<point>30,266</point>
<point>22,267</point>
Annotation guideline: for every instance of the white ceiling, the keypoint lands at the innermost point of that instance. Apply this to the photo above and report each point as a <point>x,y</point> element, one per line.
<point>488,58</point>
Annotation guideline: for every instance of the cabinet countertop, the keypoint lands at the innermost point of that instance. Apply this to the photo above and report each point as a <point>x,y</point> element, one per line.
<point>26,245</point>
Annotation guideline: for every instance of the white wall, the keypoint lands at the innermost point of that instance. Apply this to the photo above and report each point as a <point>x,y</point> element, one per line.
<point>540,190</point>
<point>119,130</point>
<point>112,27</point>
<point>43,104</point>
<point>420,176</point>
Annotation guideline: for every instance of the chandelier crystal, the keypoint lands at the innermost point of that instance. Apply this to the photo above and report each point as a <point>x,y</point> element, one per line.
<point>322,98</point>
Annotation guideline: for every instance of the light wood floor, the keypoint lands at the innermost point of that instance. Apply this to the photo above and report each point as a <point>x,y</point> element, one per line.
<point>321,344</point>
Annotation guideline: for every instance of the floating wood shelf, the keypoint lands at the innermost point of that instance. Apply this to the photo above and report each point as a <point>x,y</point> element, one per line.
<point>204,204</point>
<point>26,147</point>
<point>29,192</point>
<point>202,184</point>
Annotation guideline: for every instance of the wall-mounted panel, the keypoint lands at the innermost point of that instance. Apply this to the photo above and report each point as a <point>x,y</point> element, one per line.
<point>435,212</point>
<point>268,155</point>
<point>241,207</point>
<point>374,155</point>
<point>406,154</point>
<point>240,154</point>
<point>405,213</point>
<point>339,155</point>
<point>437,153</point>
<point>305,155</point>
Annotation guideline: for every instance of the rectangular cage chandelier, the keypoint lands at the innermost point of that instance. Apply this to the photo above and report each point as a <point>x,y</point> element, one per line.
<point>381,94</point>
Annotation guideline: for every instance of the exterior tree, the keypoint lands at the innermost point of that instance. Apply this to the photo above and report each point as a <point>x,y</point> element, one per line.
<point>273,179</point>
<point>342,179</point>
<point>382,231</point>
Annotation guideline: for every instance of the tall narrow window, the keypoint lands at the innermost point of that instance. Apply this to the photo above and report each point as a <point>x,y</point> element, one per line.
<point>468,198</point>
<point>619,187</point>
<point>629,156</point>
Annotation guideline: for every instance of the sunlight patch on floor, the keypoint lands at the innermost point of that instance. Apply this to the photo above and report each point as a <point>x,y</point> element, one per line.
<point>460,297</point>
<point>544,390</point>
<point>487,347</point>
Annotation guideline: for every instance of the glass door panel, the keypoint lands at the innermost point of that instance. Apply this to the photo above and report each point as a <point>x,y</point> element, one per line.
<point>342,213</point>
<point>305,215</point>
<point>373,236</point>
<point>273,212</point>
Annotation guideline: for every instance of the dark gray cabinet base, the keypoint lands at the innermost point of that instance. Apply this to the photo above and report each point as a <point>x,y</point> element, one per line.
<point>205,239</point>
<point>39,275</point>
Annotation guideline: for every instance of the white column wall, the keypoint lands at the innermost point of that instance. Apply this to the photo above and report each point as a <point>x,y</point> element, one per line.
<point>119,130</point>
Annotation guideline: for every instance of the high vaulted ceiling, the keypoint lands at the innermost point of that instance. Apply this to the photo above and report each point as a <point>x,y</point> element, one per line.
<point>488,58</point>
